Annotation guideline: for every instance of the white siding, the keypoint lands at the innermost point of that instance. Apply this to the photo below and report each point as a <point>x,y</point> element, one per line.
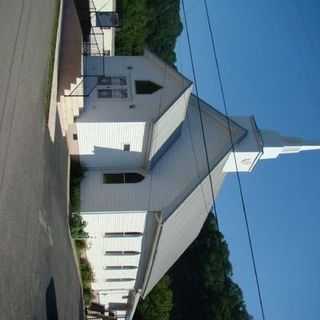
<point>117,260</point>
<point>129,285</point>
<point>148,107</point>
<point>120,273</point>
<point>123,244</point>
<point>101,144</point>
<point>117,297</point>
<point>175,174</point>
<point>169,122</point>
<point>114,221</point>
<point>97,225</point>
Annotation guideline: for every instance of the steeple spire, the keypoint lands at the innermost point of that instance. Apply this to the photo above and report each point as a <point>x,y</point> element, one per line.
<point>276,144</point>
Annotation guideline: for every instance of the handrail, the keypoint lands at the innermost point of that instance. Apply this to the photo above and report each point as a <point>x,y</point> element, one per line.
<point>87,87</point>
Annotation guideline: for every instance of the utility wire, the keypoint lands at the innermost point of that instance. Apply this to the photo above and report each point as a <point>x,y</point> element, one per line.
<point>200,113</point>
<point>244,209</point>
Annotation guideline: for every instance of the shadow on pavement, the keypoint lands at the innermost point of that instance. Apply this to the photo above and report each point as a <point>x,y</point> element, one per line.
<point>51,302</point>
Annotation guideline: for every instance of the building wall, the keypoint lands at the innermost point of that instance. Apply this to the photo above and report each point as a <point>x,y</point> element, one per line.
<point>148,107</point>
<point>111,222</point>
<point>249,151</point>
<point>106,124</point>
<point>174,176</point>
<point>102,144</point>
<point>166,125</point>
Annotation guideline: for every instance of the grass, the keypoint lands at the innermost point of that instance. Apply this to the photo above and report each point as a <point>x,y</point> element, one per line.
<point>53,42</point>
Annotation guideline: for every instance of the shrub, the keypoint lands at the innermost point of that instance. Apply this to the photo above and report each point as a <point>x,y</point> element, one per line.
<point>77,226</point>
<point>76,175</point>
<point>87,277</point>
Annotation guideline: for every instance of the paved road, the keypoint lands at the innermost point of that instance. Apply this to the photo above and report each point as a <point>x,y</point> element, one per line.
<point>38,276</point>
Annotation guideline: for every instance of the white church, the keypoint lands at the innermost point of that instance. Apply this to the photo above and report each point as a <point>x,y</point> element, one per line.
<point>135,125</point>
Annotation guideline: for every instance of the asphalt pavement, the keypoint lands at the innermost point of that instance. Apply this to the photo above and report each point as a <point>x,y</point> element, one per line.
<point>38,274</point>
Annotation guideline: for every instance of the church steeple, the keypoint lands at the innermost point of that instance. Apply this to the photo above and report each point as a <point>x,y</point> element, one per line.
<point>263,144</point>
<point>276,144</point>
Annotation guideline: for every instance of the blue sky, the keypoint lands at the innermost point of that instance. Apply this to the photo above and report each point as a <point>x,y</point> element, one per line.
<point>269,52</point>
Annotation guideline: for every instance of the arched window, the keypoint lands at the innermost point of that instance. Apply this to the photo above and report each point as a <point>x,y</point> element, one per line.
<point>121,178</point>
<point>146,87</point>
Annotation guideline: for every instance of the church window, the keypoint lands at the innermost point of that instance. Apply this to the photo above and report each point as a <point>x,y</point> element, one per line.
<point>132,177</point>
<point>113,93</point>
<point>120,279</point>
<point>105,93</point>
<point>146,87</point>
<point>107,19</point>
<point>113,178</point>
<point>122,178</point>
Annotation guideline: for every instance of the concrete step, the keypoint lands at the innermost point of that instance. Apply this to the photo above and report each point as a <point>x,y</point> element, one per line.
<point>69,110</point>
<point>64,112</point>
<point>75,107</point>
<point>73,86</point>
<point>62,120</point>
<point>79,100</point>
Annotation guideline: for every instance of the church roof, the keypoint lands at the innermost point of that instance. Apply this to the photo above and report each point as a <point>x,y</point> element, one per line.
<point>182,223</point>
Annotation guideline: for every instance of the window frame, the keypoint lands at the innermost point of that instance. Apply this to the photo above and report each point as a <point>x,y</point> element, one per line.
<point>115,93</point>
<point>122,253</point>
<point>122,178</point>
<point>146,87</point>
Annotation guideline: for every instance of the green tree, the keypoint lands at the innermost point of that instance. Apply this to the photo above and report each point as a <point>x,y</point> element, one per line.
<point>202,280</point>
<point>149,23</point>
<point>158,304</point>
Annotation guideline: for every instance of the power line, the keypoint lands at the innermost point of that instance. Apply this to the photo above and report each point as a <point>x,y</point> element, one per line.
<point>244,209</point>
<point>200,113</point>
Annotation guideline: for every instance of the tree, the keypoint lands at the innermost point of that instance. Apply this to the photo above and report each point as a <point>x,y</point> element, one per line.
<point>149,23</point>
<point>202,280</point>
<point>158,304</point>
